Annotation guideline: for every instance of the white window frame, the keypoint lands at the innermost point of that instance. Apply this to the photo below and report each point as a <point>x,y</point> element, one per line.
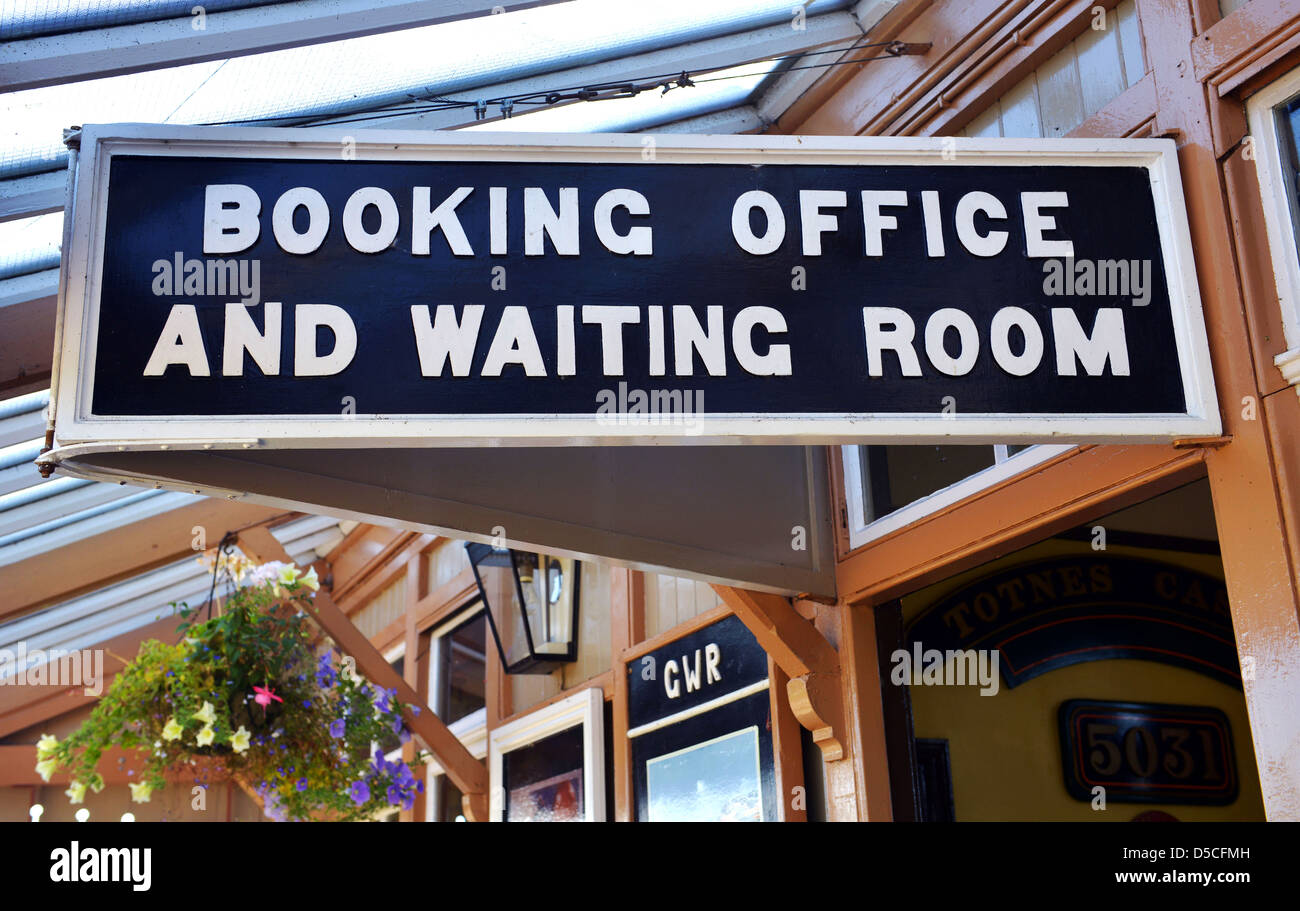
<point>1279,220</point>
<point>586,708</point>
<point>471,730</point>
<point>1005,467</point>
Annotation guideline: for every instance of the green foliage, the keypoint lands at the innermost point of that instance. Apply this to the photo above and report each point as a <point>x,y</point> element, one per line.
<point>244,692</point>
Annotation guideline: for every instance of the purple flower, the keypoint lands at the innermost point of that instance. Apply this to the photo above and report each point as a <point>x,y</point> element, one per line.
<point>415,710</point>
<point>419,787</point>
<point>404,735</point>
<point>394,796</point>
<point>336,729</point>
<point>359,792</point>
<point>397,725</point>
<point>302,784</point>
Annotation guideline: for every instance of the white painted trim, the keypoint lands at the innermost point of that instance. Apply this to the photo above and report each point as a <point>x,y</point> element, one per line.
<point>862,532</point>
<point>1289,363</point>
<point>1279,221</point>
<point>84,266</point>
<point>586,708</point>
<point>472,732</point>
<point>759,686</point>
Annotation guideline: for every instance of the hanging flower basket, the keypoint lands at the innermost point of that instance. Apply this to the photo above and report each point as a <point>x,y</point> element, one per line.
<point>244,690</point>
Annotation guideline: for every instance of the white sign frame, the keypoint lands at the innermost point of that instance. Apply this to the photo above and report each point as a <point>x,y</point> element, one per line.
<point>76,424</point>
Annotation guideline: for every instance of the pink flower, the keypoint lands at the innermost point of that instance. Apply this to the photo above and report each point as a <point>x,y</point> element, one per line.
<point>264,696</point>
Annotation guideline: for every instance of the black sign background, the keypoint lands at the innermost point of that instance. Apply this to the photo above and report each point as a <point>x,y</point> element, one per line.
<point>743,662</point>
<point>155,209</point>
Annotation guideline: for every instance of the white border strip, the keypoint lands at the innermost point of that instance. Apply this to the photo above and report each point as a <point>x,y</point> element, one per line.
<point>757,687</point>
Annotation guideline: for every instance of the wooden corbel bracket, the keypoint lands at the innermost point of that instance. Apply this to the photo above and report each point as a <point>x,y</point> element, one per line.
<point>818,705</point>
<point>815,691</point>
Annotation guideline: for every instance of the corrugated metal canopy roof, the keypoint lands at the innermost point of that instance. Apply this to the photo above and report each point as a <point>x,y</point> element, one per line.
<point>740,43</point>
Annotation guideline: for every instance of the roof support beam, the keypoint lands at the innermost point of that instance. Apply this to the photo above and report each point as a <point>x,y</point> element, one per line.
<point>741,119</point>
<point>93,562</point>
<point>467,773</point>
<point>27,306</point>
<point>96,53</point>
<point>727,51</point>
<point>36,194</point>
<point>803,653</point>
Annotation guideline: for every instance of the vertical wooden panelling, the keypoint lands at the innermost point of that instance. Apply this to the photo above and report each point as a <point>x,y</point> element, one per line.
<point>593,626</point>
<point>527,690</point>
<point>1060,95</point>
<point>383,609</point>
<point>1072,84</point>
<point>671,600</point>
<point>1130,43</point>
<point>986,124</point>
<point>446,562</point>
<point>1101,68</point>
<point>1020,115</point>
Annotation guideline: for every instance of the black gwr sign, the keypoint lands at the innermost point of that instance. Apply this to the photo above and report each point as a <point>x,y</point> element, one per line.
<point>302,289</point>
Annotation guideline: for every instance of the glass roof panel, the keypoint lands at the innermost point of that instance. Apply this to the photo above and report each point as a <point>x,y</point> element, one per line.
<point>30,244</point>
<point>362,73</point>
<point>716,92</point>
<point>34,18</point>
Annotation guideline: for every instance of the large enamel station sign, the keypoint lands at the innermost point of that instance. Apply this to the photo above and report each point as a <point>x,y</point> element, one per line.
<point>311,289</point>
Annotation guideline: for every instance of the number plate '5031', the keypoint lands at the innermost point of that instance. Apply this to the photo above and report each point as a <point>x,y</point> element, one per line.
<point>1147,753</point>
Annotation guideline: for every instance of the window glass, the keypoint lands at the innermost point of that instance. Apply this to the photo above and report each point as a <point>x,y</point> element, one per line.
<point>462,671</point>
<point>544,781</point>
<point>447,801</point>
<point>894,476</point>
<point>1288,129</point>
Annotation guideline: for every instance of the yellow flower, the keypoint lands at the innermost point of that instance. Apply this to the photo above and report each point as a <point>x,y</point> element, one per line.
<point>172,730</point>
<point>289,574</point>
<point>47,767</point>
<point>45,746</point>
<point>205,714</point>
<point>76,793</point>
<point>310,580</point>
<point>204,737</point>
<point>239,740</point>
<point>140,791</point>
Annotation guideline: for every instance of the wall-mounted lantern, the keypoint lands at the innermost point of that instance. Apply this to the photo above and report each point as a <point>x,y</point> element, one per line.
<point>532,606</point>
